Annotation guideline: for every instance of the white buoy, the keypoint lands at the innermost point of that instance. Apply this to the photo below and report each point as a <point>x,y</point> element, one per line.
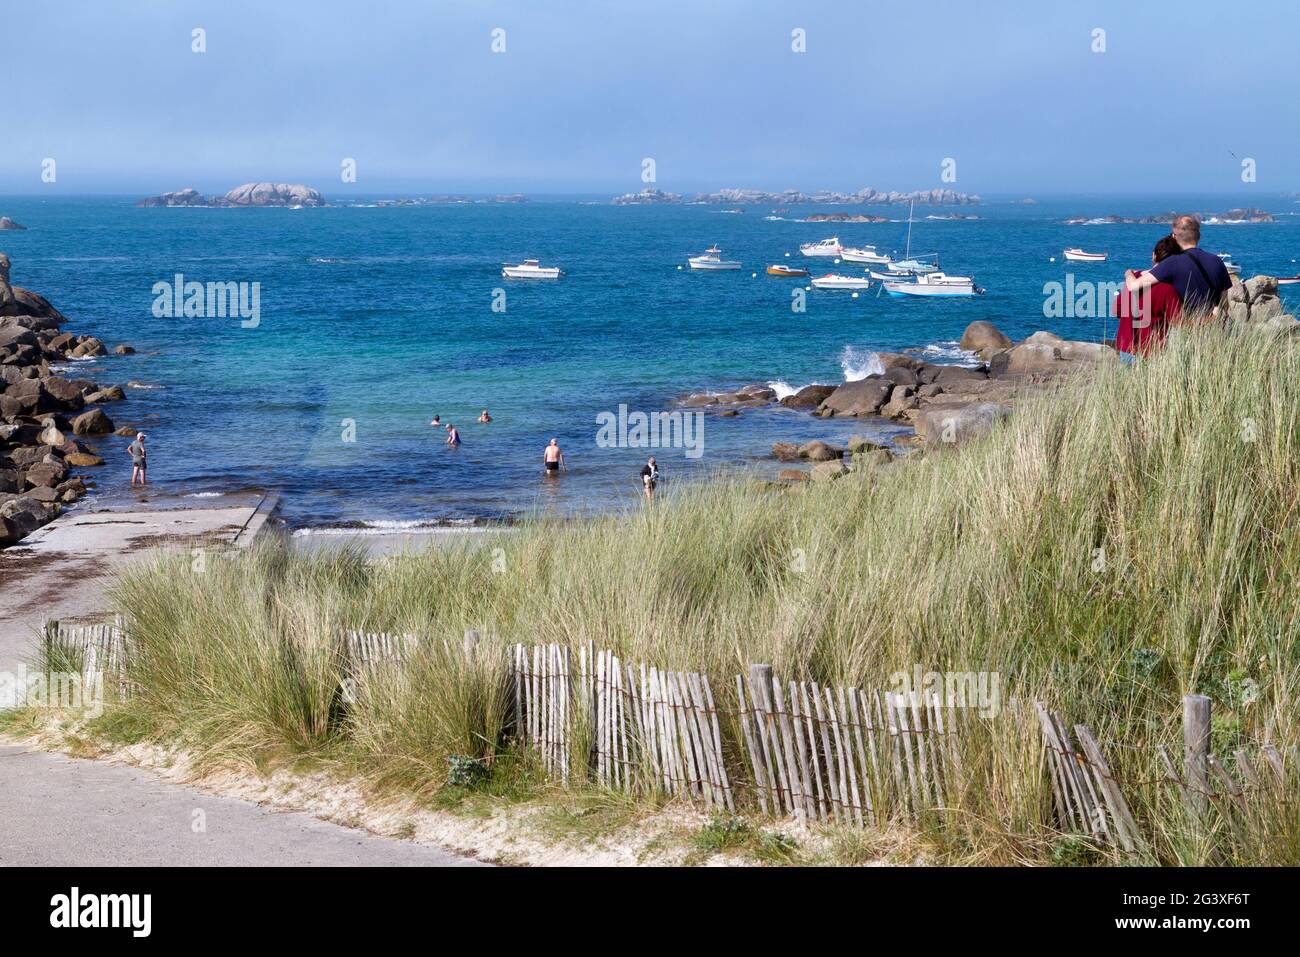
<point>855,295</point>
<point>787,256</point>
<point>807,288</point>
<point>679,267</point>
<point>753,275</point>
<point>1052,260</point>
<point>837,262</point>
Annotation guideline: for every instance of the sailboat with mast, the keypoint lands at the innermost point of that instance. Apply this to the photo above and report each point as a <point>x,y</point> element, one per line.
<point>919,265</point>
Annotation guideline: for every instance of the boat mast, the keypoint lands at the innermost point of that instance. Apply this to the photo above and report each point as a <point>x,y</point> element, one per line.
<point>908,255</point>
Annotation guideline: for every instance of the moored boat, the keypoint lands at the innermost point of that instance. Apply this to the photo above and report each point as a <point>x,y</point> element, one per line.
<point>832,281</point>
<point>530,269</point>
<point>1288,280</point>
<point>863,254</point>
<point>779,270</point>
<point>712,260</point>
<point>827,247</point>
<point>933,284</point>
<point>1077,255</point>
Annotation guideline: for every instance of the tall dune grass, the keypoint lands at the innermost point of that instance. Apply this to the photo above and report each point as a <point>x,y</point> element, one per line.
<point>1112,547</point>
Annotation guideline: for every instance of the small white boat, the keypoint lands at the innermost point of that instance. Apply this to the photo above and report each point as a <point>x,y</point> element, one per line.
<point>914,267</point>
<point>530,269</point>
<point>1228,264</point>
<point>712,259</point>
<point>863,254</point>
<point>933,284</point>
<point>827,247</point>
<point>1079,256</point>
<point>832,281</point>
<point>1288,280</point>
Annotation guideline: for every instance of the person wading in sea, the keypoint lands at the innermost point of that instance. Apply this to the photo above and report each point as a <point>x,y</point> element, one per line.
<point>453,437</point>
<point>553,458</point>
<point>650,478</point>
<point>139,459</point>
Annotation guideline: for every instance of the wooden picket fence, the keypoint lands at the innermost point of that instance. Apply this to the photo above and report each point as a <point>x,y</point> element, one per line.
<point>543,696</point>
<point>97,652</point>
<point>1089,795</point>
<point>844,754</point>
<point>815,753</point>
<point>654,730</point>
<point>362,650</point>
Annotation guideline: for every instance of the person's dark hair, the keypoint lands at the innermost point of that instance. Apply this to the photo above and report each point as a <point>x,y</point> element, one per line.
<point>1166,246</point>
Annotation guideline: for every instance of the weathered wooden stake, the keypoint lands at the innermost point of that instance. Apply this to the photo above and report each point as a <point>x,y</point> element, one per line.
<point>1196,749</point>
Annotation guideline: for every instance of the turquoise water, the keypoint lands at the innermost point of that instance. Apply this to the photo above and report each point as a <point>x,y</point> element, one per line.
<point>383,317</point>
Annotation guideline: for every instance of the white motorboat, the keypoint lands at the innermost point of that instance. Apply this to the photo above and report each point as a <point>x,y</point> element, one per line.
<point>863,254</point>
<point>827,247</point>
<point>933,284</point>
<point>1228,264</point>
<point>712,259</point>
<point>1077,255</point>
<point>530,269</point>
<point>832,281</point>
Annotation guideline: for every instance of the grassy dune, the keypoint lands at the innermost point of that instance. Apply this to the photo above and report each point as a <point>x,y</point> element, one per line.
<point>1109,549</point>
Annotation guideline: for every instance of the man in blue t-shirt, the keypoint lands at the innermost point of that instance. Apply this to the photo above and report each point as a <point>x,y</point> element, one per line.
<point>1199,278</point>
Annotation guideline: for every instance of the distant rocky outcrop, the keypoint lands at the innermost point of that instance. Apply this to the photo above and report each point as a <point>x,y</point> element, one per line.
<point>7,223</point>
<point>249,194</point>
<point>756,197</point>
<point>844,218</point>
<point>1231,216</point>
<point>274,194</point>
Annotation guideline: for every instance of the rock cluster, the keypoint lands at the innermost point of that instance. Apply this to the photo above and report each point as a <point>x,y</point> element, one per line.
<point>756,197</point>
<point>43,416</point>
<point>7,223</point>
<point>949,404</point>
<point>1255,302</point>
<point>250,194</point>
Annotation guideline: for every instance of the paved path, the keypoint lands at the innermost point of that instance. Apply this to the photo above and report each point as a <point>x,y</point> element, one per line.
<point>61,811</point>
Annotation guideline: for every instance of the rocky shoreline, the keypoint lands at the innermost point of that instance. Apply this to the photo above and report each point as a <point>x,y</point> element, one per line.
<point>47,421</point>
<point>946,405</point>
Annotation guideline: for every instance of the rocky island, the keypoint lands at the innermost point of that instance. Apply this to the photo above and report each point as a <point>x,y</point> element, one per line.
<point>758,197</point>
<point>250,194</point>
<point>7,223</point>
<point>1231,216</point>
<point>46,420</point>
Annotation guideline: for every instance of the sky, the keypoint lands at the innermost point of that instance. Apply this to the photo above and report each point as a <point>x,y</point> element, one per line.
<point>1017,94</point>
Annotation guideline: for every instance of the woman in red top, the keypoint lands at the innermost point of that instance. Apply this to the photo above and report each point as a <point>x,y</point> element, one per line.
<point>1145,316</point>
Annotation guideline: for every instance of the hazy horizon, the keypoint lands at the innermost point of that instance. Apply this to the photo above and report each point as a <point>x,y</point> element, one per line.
<point>1019,98</point>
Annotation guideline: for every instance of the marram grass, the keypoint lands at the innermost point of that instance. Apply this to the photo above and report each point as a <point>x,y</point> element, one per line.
<point>1112,547</point>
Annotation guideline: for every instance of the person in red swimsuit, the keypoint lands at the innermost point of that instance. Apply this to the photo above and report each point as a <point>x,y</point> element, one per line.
<point>1146,315</point>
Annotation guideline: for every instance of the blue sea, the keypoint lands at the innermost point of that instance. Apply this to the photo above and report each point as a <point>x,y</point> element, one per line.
<point>373,320</point>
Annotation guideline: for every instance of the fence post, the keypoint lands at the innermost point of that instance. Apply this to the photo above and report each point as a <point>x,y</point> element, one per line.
<point>1196,750</point>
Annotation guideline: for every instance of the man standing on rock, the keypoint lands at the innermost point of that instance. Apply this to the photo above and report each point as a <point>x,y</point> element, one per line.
<point>1199,278</point>
<point>139,459</point>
